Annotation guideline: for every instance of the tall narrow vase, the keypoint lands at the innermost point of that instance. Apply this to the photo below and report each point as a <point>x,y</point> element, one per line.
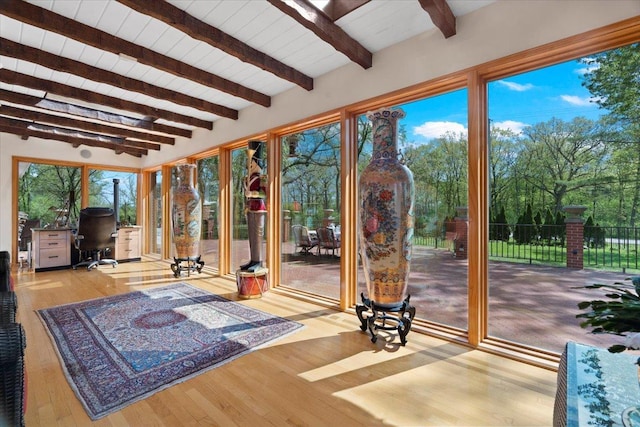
<point>186,214</point>
<point>386,214</point>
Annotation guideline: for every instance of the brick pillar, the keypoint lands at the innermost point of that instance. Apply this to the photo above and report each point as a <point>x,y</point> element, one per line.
<point>328,217</point>
<point>461,247</point>
<point>286,224</point>
<point>575,236</point>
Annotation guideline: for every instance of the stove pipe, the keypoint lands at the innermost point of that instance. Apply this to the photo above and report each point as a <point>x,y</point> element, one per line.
<point>116,199</point>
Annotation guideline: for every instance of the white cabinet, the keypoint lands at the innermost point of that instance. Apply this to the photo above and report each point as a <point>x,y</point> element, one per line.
<point>51,248</point>
<point>128,244</point>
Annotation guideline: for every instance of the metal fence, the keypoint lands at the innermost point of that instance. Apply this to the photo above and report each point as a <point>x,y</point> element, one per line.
<point>542,244</point>
<point>610,248</point>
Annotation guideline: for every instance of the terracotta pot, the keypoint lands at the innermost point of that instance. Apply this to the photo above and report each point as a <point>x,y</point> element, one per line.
<point>386,199</point>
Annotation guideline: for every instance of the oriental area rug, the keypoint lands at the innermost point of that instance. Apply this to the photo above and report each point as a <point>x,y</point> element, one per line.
<point>121,349</point>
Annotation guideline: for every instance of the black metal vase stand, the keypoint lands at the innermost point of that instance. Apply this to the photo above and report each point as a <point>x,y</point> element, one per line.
<point>381,318</point>
<point>193,263</point>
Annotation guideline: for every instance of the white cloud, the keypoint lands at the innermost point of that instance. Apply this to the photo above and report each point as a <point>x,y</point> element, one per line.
<point>587,69</point>
<point>516,86</point>
<point>510,125</point>
<point>438,129</point>
<point>578,101</point>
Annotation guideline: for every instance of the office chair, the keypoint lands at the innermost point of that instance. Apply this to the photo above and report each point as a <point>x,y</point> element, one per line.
<point>96,232</point>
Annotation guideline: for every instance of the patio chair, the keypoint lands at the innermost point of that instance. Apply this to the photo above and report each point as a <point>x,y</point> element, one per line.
<point>304,240</point>
<point>327,240</point>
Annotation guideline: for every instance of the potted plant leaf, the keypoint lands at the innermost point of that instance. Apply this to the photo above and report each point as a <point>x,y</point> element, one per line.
<point>619,314</point>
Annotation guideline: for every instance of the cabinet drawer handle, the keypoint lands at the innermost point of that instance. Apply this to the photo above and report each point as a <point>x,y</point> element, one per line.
<point>53,244</point>
<point>53,256</point>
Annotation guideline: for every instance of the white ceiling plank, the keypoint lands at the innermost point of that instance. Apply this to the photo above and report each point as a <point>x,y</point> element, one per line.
<point>375,25</point>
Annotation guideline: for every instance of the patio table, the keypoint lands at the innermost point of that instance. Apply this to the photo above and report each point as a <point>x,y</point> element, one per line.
<point>597,388</point>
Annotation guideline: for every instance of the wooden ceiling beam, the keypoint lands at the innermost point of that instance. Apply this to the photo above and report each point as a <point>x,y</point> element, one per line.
<point>441,16</point>
<point>199,30</point>
<point>66,122</point>
<point>116,142</point>
<point>12,77</point>
<point>77,68</point>
<point>89,113</point>
<point>312,18</point>
<point>336,9</point>
<point>21,128</point>
<point>45,19</point>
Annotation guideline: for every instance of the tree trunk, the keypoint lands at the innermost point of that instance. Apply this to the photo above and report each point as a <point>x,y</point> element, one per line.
<point>636,194</point>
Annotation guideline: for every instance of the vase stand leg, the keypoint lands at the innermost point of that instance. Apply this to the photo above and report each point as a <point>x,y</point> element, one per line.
<point>398,318</point>
<point>193,264</point>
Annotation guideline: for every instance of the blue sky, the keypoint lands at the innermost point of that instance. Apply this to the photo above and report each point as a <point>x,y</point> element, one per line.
<point>514,102</point>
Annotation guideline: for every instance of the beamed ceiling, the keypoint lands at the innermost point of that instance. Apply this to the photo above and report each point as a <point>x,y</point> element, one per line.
<point>133,75</point>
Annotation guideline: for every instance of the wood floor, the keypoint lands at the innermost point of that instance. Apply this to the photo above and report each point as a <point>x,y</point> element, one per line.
<point>327,374</point>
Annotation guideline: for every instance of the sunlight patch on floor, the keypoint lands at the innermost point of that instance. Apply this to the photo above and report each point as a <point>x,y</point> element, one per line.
<point>353,363</point>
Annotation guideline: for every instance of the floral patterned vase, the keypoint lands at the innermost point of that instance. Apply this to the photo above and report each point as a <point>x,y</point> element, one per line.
<point>386,200</point>
<point>186,214</point>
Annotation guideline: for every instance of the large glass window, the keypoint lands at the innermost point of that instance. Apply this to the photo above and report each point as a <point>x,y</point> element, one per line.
<point>240,245</point>
<point>48,196</point>
<point>432,142</point>
<point>209,188</point>
<point>155,220</point>
<point>102,187</point>
<point>49,193</point>
<point>311,211</point>
<point>561,137</point>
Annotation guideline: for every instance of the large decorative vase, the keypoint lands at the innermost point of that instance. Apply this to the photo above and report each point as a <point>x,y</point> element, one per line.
<point>387,196</point>
<point>186,214</point>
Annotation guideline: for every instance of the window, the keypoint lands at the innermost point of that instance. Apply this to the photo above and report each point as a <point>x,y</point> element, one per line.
<point>209,188</point>
<point>240,246</point>
<point>311,202</point>
<point>560,136</point>
<point>156,209</point>
<point>49,193</point>
<point>102,185</point>
<point>432,140</point>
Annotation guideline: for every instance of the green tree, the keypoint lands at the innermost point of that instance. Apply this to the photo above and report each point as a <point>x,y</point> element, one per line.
<point>503,154</point>
<point>499,228</point>
<point>440,169</point>
<point>560,157</point>
<point>311,177</point>
<point>524,230</point>
<point>549,232</point>
<point>50,193</point>
<point>613,80</point>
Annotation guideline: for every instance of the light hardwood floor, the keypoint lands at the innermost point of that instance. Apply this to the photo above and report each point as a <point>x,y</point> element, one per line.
<point>328,373</point>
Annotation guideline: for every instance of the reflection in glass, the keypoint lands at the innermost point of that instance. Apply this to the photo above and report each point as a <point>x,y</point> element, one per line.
<point>311,200</point>
<point>209,188</point>
<point>155,221</point>
<point>240,248</point>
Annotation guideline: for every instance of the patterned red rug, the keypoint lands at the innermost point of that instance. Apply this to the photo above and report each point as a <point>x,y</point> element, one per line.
<point>121,349</point>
